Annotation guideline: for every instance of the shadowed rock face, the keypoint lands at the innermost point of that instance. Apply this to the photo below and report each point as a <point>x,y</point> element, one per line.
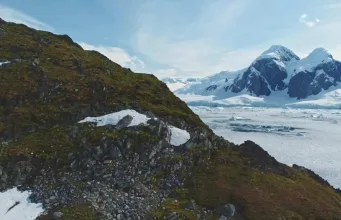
<point>299,85</point>
<point>253,81</point>
<point>272,72</point>
<point>324,76</point>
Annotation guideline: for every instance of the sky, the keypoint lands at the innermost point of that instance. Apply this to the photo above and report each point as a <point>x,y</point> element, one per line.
<point>185,38</point>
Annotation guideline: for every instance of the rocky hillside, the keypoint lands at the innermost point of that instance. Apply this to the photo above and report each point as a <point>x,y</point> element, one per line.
<point>118,168</point>
<point>277,69</point>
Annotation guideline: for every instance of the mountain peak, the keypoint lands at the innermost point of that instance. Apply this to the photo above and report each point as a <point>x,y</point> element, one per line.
<point>279,52</point>
<point>314,59</point>
<point>275,48</point>
<point>320,54</point>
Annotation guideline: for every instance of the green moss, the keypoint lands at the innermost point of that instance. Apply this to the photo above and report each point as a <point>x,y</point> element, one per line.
<point>4,151</point>
<point>180,205</point>
<point>173,205</point>
<point>76,212</point>
<point>56,142</point>
<point>140,139</point>
<point>44,143</point>
<point>84,212</point>
<point>228,179</point>
<point>60,141</point>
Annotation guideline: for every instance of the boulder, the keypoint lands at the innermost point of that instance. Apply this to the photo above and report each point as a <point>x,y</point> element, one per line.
<point>227,211</point>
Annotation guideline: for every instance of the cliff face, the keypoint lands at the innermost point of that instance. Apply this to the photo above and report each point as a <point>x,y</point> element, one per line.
<point>124,170</point>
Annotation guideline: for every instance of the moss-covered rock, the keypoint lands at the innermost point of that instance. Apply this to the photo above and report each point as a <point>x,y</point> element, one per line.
<point>78,212</point>
<point>270,191</point>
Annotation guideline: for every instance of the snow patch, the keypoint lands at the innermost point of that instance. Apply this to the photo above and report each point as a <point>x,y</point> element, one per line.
<point>5,62</point>
<point>320,72</point>
<point>178,136</point>
<point>315,58</point>
<point>114,118</point>
<point>280,53</point>
<point>24,210</point>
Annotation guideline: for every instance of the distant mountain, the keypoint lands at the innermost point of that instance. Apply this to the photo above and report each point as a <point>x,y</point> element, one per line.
<point>276,69</point>
<point>178,83</point>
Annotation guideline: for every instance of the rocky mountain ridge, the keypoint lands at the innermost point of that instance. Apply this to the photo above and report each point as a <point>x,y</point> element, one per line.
<point>49,84</point>
<point>276,69</point>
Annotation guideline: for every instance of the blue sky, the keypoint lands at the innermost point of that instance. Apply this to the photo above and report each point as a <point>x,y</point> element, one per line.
<point>186,38</point>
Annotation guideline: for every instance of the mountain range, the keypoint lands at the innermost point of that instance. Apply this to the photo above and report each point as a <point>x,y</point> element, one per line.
<point>89,139</point>
<point>276,70</point>
<point>178,83</point>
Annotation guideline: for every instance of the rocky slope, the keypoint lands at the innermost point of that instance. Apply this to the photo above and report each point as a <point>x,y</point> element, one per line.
<point>277,69</point>
<point>126,170</point>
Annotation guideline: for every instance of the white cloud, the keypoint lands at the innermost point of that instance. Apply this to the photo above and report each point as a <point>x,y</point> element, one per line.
<point>303,16</point>
<point>336,52</point>
<point>305,40</point>
<point>117,55</point>
<point>161,73</point>
<point>304,19</point>
<point>333,6</point>
<point>196,55</point>
<point>16,16</point>
<point>242,58</point>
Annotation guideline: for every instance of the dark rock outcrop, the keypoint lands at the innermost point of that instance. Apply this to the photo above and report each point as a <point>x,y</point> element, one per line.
<point>211,88</point>
<point>300,85</point>
<point>227,210</point>
<point>312,82</point>
<point>253,81</point>
<point>272,72</point>
<point>124,122</point>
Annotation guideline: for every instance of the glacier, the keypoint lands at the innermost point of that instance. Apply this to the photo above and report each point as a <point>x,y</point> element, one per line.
<point>308,137</point>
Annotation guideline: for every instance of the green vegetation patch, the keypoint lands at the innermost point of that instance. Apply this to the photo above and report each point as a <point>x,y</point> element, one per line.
<point>261,195</point>
<point>84,212</point>
<point>59,141</point>
<point>76,212</point>
<point>56,142</point>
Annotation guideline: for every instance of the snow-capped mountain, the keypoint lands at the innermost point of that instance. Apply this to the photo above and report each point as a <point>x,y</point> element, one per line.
<point>178,83</point>
<point>276,69</point>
